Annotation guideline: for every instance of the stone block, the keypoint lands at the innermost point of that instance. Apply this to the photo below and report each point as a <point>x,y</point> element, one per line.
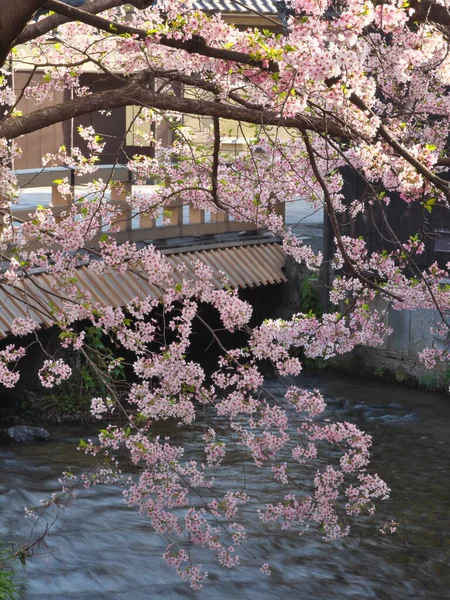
<point>421,337</point>
<point>399,340</point>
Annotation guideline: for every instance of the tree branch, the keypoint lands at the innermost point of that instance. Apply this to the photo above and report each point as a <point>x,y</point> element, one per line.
<point>14,16</point>
<point>429,11</point>
<point>215,165</point>
<point>196,45</point>
<point>135,93</point>
<point>48,24</point>
<point>335,226</point>
<point>441,184</point>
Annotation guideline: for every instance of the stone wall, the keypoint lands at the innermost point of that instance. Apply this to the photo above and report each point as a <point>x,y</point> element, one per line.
<point>398,357</point>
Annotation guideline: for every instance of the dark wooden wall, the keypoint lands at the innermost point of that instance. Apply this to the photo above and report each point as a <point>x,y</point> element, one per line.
<point>381,223</point>
<point>35,145</point>
<point>111,127</point>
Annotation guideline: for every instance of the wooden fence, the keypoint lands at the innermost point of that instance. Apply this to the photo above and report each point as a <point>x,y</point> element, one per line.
<point>183,220</point>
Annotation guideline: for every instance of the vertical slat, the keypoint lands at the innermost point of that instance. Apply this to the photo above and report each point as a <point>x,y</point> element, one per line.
<point>280,209</point>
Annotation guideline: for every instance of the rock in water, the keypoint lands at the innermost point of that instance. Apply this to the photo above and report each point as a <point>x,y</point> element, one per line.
<point>24,433</point>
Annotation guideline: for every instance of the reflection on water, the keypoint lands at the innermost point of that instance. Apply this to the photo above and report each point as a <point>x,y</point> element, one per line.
<point>101,549</point>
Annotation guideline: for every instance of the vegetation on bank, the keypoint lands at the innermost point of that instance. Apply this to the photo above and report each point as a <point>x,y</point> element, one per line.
<point>9,585</point>
<point>70,401</point>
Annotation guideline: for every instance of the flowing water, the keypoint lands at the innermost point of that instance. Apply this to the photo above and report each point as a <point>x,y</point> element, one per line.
<point>100,549</point>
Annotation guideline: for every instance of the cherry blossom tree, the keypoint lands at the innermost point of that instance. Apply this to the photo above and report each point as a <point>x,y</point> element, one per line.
<point>356,85</point>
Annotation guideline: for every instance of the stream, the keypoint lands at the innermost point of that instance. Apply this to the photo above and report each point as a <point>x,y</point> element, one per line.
<point>100,549</point>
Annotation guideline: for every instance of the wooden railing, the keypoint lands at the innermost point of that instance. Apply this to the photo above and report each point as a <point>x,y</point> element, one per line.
<point>182,222</point>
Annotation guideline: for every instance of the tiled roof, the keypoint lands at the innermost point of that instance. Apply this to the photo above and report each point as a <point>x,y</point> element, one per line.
<point>229,6</point>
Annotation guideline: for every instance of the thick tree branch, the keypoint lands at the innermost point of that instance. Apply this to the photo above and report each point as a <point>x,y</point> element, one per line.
<point>429,10</point>
<point>136,93</point>
<point>196,45</point>
<point>202,84</point>
<point>35,30</point>
<point>77,14</point>
<point>14,16</point>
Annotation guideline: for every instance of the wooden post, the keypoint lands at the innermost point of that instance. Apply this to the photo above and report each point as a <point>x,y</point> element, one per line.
<point>327,250</point>
<point>280,209</point>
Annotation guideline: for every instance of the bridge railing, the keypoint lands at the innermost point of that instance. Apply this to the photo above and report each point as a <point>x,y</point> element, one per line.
<point>183,220</point>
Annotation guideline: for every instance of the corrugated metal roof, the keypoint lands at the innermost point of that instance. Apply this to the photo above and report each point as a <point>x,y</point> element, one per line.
<point>229,6</point>
<point>34,297</point>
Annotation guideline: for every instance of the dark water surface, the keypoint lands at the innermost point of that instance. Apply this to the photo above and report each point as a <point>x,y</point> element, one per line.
<point>100,549</point>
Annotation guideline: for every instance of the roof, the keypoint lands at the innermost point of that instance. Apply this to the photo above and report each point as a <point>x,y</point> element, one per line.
<point>245,267</point>
<point>241,6</point>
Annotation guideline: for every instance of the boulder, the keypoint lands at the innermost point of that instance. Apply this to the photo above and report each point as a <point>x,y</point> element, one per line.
<point>25,433</point>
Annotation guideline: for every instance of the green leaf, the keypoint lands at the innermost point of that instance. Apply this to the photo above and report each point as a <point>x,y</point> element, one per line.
<point>64,335</point>
<point>428,205</point>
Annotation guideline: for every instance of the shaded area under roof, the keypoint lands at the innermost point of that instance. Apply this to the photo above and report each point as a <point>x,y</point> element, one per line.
<point>244,266</point>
